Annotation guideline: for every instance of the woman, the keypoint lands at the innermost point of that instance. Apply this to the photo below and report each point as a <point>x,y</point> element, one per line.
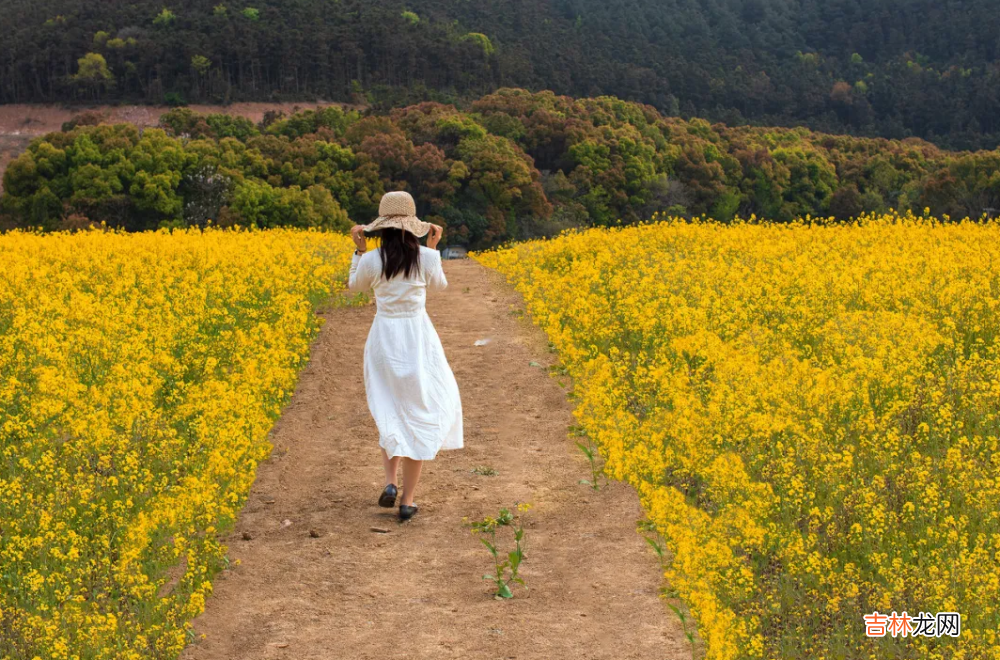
<point>412,393</point>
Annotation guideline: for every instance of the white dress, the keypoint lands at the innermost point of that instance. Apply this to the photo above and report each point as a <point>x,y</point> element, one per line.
<point>411,390</point>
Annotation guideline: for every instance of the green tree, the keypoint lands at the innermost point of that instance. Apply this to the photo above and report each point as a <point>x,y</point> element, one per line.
<point>482,41</point>
<point>165,18</point>
<point>201,64</point>
<point>93,73</point>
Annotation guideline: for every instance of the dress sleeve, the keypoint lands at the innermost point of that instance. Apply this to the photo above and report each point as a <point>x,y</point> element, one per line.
<point>362,277</point>
<point>436,280</point>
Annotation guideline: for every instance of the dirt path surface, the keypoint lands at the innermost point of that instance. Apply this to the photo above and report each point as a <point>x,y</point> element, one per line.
<point>415,591</point>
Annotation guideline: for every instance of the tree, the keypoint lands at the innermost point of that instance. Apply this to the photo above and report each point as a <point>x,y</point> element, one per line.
<point>93,74</point>
<point>201,64</point>
<point>165,18</point>
<point>516,165</point>
<point>482,41</point>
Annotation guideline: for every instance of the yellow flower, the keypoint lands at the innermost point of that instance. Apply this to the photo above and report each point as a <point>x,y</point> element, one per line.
<point>141,374</point>
<point>807,411</point>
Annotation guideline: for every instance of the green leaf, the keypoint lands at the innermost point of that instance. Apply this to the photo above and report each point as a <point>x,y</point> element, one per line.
<point>505,592</point>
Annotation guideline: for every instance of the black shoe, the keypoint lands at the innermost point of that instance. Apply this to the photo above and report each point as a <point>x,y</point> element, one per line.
<point>407,512</point>
<point>388,498</point>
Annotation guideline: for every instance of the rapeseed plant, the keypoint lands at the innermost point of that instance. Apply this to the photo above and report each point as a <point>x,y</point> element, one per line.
<point>140,375</point>
<point>809,412</point>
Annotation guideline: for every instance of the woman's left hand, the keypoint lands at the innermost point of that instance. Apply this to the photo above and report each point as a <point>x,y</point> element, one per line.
<point>358,235</point>
<point>434,237</point>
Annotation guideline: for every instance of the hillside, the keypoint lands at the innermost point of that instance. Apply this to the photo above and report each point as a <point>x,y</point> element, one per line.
<point>513,165</point>
<point>21,123</point>
<point>894,68</point>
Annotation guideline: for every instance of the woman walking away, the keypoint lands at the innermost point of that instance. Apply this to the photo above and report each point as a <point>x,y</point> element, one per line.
<point>412,393</point>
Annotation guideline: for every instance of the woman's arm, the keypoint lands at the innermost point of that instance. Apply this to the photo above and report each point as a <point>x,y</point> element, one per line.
<point>361,278</point>
<point>436,280</point>
<point>434,237</point>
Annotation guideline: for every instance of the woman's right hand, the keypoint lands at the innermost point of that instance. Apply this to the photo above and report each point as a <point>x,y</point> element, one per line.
<point>358,236</point>
<point>435,236</point>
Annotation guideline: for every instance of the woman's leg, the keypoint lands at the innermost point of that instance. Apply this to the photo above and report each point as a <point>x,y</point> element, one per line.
<point>391,466</point>
<point>411,475</point>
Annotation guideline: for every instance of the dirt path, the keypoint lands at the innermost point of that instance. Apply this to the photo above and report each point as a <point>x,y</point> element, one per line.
<point>415,592</point>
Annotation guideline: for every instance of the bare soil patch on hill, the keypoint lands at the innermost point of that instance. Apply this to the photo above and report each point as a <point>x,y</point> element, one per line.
<point>20,123</point>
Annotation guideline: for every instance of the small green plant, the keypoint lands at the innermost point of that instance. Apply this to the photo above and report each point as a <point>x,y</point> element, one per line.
<point>684,626</point>
<point>484,471</point>
<point>503,563</point>
<point>558,370</point>
<point>592,455</point>
<point>667,592</point>
<point>595,471</point>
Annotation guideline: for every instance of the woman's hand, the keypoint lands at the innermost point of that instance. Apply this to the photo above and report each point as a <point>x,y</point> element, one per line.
<point>358,235</point>
<point>434,237</point>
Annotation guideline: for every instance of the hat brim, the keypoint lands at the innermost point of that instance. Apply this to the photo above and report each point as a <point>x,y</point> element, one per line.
<point>410,223</point>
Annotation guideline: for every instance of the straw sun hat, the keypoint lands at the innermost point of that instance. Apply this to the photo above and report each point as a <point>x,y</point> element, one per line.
<point>398,210</point>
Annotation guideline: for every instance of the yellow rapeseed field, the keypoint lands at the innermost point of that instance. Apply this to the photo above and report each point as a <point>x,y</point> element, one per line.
<point>809,412</point>
<point>139,377</point>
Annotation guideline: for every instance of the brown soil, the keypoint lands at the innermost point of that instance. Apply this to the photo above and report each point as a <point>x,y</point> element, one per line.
<point>415,591</point>
<point>34,119</point>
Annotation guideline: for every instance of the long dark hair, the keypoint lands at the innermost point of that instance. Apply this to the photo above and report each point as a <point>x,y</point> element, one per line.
<point>400,251</point>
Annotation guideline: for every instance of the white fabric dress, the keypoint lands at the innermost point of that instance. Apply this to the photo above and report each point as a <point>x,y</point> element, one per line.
<point>411,390</point>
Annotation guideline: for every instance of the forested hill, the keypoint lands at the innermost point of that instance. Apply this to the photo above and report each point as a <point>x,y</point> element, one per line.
<point>514,165</point>
<point>895,68</point>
